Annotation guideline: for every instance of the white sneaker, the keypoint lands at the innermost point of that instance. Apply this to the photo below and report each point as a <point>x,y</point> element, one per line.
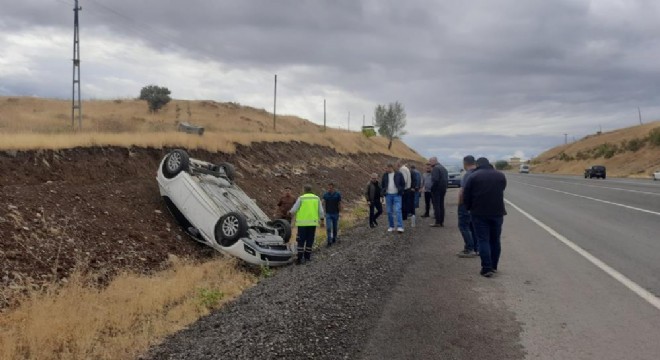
<point>399,229</point>
<point>390,229</point>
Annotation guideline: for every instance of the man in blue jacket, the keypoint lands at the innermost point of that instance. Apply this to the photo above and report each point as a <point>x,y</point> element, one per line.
<point>483,196</point>
<point>393,185</point>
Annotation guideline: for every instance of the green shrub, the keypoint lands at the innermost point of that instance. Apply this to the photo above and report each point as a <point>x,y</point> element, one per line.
<point>565,157</point>
<point>635,144</point>
<point>502,165</point>
<point>654,136</point>
<point>209,298</point>
<point>605,150</point>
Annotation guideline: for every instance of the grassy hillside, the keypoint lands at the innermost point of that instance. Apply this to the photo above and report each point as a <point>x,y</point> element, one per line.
<point>630,152</point>
<point>35,123</point>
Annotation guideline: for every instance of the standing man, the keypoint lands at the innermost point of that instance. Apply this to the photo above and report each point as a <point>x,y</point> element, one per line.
<point>393,185</point>
<point>332,204</point>
<point>464,218</point>
<point>427,182</point>
<point>483,196</point>
<point>416,179</point>
<point>407,192</point>
<point>285,204</point>
<point>439,181</point>
<point>374,198</point>
<point>309,213</point>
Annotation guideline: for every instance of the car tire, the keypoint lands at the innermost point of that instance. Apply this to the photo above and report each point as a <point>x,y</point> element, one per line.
<point>175,162</point>
<point>283,229</point>
<point>231,227</point>
<point>230,171</point>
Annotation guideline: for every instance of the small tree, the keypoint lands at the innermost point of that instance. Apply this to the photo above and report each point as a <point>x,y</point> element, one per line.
<point>390,120</point>
<point>156,97</point>
<point>502,165</point>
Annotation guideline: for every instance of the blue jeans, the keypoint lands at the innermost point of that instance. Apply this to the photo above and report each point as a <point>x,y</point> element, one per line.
<point>488,230</point>
<point>465,227</point>
<point>331,223</point>
<point>393,202</point>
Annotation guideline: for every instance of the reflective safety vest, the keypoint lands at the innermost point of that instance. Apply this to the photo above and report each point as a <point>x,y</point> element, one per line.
<point>308,213</point>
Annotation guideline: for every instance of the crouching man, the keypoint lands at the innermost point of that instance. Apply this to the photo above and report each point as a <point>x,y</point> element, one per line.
<point>308,211</point>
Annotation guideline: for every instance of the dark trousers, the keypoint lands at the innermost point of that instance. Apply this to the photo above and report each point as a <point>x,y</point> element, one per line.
<point>427,202</point>
<point>375,210</point>
<point>465,227</point>
<point>488,230</point>
<point>408,203</point>
<point>305,241</point>
<point>438,199</point>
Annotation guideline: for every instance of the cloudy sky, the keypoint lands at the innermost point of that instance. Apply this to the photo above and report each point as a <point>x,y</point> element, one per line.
<point>487,77</point>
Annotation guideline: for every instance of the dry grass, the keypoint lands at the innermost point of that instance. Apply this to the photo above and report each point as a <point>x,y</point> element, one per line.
<point>122,320</point>
<point>32,123</point>
<point>633,164</point>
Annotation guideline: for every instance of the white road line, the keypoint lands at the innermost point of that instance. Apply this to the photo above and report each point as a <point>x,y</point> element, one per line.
<point>591,198</point>
<point>604,187</point>
<point>625,281</point>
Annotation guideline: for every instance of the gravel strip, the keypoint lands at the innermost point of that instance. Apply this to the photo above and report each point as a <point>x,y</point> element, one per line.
<point>323,310</point>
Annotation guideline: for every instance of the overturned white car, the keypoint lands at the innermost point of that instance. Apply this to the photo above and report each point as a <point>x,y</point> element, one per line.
<point>212,209</point>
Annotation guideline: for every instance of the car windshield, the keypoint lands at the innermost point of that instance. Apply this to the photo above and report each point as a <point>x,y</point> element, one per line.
<point>453,169</point>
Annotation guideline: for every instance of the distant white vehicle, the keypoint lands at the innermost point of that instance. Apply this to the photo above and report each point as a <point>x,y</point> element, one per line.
<point>656,175</point>
<point>524,169</point>
<point>213,210</point>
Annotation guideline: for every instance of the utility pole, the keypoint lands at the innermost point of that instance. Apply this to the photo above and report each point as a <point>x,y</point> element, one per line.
<point>324,128</point>
<point>76,105</point>
<point>274,102</point>
<point>363,120</point>
<point>640,115</point>
<point>565,138</point>
<point>349,121</point>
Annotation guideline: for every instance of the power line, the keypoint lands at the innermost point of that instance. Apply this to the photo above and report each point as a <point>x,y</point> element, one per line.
<point>129,24</point>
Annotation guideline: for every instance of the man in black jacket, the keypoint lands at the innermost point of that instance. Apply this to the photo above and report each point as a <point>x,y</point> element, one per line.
<point>483,196</point>
<point>439,182</point>
<point>374,198</point>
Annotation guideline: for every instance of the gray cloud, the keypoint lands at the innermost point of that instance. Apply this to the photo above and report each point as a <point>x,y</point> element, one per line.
<point>533,68</point>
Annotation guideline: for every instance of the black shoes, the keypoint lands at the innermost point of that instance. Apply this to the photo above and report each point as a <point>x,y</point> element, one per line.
<point>437,225</point>
<point>487,272</point>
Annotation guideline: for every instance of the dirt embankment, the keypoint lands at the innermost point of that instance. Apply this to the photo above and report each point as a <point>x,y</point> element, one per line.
<point>99,208</point>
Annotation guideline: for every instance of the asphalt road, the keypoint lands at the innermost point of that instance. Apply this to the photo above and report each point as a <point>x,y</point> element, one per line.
<point>579,279</point>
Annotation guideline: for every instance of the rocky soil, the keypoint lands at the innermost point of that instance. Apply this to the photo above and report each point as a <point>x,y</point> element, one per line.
<point>325,309</point>
<point>99,209</point>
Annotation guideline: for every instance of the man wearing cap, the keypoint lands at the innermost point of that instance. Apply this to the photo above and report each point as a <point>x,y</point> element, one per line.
<point>374,199</point>
<point>483,197</point>
<point>464,218</point>
<point>309,213</point>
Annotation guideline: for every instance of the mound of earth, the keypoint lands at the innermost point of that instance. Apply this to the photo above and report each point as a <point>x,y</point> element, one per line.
<point>99,208</point>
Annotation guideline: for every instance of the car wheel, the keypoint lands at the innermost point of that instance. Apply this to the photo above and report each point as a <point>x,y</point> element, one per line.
<point>176,162</point>
<point>283,228</point>
<point>229,170</point>
<point>604,177</point>
<point>230,228</point>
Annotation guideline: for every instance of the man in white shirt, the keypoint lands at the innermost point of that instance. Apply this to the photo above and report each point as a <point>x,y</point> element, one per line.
<point>407,205</point>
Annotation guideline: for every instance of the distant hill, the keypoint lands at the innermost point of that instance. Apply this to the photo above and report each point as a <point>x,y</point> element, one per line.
<point>28,123</point>
<point>628,152</point>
